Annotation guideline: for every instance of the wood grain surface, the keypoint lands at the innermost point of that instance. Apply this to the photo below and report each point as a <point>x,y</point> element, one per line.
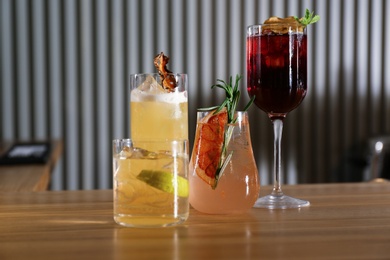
<point>344,221</point>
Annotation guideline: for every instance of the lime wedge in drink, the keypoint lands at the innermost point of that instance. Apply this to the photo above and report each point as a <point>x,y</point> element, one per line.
<point>165,181</point>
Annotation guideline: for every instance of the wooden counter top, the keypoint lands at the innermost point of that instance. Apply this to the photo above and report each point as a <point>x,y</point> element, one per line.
<point>29,177</point>
<point>344,221</point>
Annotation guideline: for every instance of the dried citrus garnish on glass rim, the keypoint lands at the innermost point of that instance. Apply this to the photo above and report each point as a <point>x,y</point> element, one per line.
<point>167,78</point>
<point>215,136</point>
<point>208,145</point>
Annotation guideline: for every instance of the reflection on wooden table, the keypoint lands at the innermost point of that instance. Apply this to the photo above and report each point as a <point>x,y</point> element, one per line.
<point>344,221</point>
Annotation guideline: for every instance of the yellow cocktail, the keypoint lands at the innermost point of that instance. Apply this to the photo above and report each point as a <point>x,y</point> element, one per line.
<point>150,185</point>
<point>156,113</point>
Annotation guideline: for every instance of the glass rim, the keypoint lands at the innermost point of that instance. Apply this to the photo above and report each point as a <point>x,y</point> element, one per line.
<point>137,79</point>
<point>151,140</point>
<point>256,29</point>
<point>156,74</point>
<point>270,24</point>
<point>208,111</point>
<point>241,115</point>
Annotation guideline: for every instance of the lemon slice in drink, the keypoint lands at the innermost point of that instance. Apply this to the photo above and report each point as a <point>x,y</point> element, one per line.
<point>165,181</point>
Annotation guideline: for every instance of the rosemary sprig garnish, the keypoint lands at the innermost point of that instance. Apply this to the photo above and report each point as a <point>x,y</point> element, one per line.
<point>231,100</point>
<point>230,103</point>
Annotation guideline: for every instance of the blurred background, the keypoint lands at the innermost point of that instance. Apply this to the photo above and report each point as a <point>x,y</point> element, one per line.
<point>65,67</point>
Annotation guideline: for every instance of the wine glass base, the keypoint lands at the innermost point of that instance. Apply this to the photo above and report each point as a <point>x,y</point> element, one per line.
<point>280,202</point>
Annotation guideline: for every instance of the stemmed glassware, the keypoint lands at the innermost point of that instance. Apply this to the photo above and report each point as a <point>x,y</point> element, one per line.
<point>277,77</point>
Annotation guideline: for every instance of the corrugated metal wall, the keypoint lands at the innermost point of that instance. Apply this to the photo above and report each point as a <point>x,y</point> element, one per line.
<point>65,66</point>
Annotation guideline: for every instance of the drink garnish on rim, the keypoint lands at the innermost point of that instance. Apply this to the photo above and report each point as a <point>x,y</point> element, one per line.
<point>167,78</point>
<point>213,137</point>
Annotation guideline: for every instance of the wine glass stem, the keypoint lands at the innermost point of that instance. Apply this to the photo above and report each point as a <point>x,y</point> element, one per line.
<point>278,129</point>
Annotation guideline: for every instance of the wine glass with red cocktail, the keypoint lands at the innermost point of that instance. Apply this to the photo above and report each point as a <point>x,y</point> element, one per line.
<point>277,77</point>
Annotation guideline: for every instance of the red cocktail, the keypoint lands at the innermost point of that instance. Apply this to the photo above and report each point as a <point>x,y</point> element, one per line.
<point>277,76</point>
<point>277,71</point>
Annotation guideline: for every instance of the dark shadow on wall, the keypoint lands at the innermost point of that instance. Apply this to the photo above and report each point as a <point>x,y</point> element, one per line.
<point>364,161</point>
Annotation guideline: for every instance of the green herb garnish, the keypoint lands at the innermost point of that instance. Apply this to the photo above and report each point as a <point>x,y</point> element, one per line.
<point>309,18</point>
<point>231,100</point>
<point>230,103</point>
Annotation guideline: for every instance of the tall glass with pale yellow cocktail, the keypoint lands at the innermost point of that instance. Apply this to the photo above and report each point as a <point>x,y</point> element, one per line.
<point>156,112</point>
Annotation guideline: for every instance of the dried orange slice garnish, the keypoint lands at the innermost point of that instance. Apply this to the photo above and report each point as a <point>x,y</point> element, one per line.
<point>208,145</point>
<point>212,136</point>
<point>167,78</point>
